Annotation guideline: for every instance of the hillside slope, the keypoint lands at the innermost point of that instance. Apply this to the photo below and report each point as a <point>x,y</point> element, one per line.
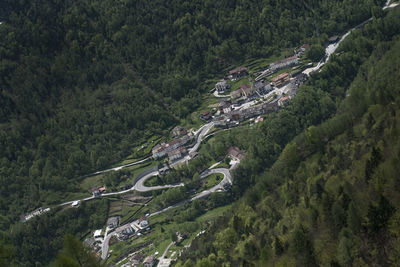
<point>333,196</point>
<point>83,82</point>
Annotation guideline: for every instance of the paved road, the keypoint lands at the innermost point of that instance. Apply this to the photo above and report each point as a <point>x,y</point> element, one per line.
<point>104,247</point>
<point>227,179</point>
<point>330,49</point>
<point>200,134</point>
<point>216,94</point>
<point>120,167</point>
<point>139,186</point>
<point>162,260</point>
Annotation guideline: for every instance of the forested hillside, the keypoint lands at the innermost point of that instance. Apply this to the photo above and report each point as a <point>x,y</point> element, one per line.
<point>332,197</point>
<point>81,82</point>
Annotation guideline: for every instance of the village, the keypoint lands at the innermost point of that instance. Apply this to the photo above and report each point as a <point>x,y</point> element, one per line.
<point>260,93</point>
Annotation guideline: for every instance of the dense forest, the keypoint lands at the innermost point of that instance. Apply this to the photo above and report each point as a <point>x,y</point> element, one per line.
<point>83,81</point>
<point>332,196</point>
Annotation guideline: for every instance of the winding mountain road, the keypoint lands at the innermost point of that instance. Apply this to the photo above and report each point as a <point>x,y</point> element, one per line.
<point>139,186</point>
<point>330,49</point>
<point>226,180</point>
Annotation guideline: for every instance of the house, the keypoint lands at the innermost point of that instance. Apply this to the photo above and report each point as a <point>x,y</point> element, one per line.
<point>205,116</point>
<point>177,153</point>
<point>179,131</point>
<point>164,148</point>
<point>136,259</point>
<point>303,49</point>
<point>222,86</point>
<point>113,222</point>
<point>259,119</point>
<point>284,63</point>
<point>125,231</point>
<point>224,106</point>
<point>75,203</point>
<point>158,151</point>
<point>238,72</point>
<point>262,87</point>
<point>283,101</point>
<point>333,39</point>
<point>97,190</point>
<point>221,121</point>
<point>97,234</point>
<point>149,261</point>
<point>143,222</point>
<point>280,79</point>
<point>235,153</point>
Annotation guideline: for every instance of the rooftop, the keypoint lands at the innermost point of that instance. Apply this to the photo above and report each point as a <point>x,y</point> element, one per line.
<point>280,76</point>
<point>284,98</point>
<point>97,233</point>
<point>235,152</point>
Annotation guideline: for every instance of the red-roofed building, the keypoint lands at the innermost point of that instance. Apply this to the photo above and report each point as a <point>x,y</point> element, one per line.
<point>280,79</point>
<point>97,190</point>
<point>205,116</point>
<point>304,47</point>
<point>283,101</point>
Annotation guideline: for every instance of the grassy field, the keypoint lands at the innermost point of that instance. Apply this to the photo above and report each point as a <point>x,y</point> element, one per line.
<point>193,120</point>
<point>236,84</point>
<point>97,180</point>
<point>210,181</point>
<point>143,149</point>
<point>222,165</point>
<point>258,64</point>
<point>91,181</point>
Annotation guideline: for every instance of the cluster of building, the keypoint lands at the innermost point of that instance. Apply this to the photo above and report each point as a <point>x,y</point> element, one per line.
<point>98,190</point>
<point>174,149</point>
<point>301,50</point>
<point>124,232</point>
<point>234,117</point>
<point>95,241</point>
<point>36,212</point>
<point>222,86</point>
